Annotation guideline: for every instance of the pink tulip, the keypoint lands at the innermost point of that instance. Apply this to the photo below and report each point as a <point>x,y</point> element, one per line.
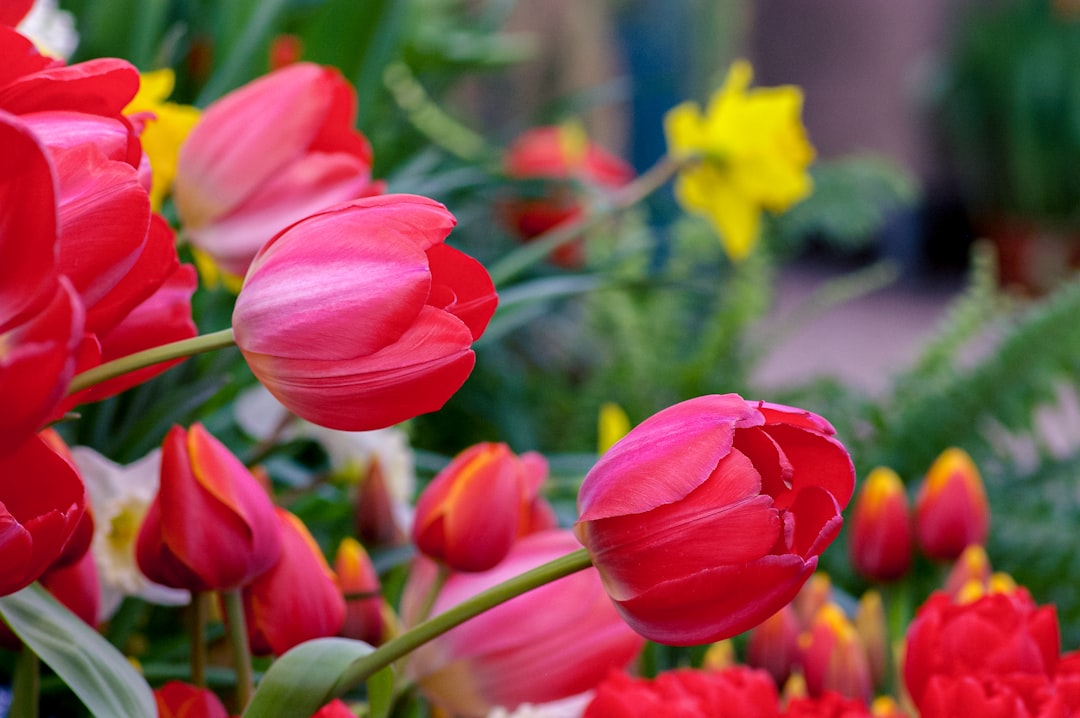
<point>555,641</point>
<point>359,317</point>
<point>266,155</point>
<point>708,517</point>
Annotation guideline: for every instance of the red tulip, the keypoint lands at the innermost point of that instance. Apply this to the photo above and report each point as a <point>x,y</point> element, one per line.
<point>298,599</point>
<point>176,699</point>
<point>42,501</point>
<point>211,525</point>
<point>880,539</point>
<point>334,709</point>
<point>359,317</point>
<point>360,585</point>
<point>571,166</point>
<point>266,155</point>
<point>996,635</point>
<point>738,692</point>
<point>951,510</point>
<point>75,586</point>
<point>829,705</point>
<point>773,645</point>
<point>568,627</point>
<point>1010,696</point>
<point>708,517</point>
<point>971,567</point>
<point>834,657</point>
<point>471,513</point>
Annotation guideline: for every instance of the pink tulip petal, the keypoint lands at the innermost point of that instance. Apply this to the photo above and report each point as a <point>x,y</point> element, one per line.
<point>468,291</point>
<point>66,129</point>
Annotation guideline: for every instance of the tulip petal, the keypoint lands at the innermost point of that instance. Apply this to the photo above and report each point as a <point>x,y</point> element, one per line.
<point>817,460</point>
<point>817,521</point>
<point>467,290</point>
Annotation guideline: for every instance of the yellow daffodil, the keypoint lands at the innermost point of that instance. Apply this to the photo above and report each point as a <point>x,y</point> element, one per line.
<point>167,125</point>
<point>747,153</point>
<point>613,425</point>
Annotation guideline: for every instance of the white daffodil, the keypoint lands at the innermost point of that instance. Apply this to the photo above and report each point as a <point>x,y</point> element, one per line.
<point>120,497</point>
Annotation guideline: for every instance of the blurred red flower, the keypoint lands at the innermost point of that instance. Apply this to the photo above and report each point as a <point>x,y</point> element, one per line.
<point>737,692</point>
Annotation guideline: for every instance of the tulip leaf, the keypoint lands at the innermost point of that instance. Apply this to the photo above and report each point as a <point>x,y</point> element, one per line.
<point>304,679</point>
<point>380,690</point>
<point>94,670</point>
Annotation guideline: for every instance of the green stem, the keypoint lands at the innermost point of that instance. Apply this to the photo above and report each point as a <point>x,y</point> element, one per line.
<point>26,685</point>
<point>443,573</point>
<point>409,641</point>
<point>529,254</point>
<point>155,355</point>
<point>238,641</point>
<point>200,614</point>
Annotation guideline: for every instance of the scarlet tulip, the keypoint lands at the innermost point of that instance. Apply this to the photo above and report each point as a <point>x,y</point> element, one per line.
<point>471,513</point>
<point>75,586</point>
<point>880,539</point>
<point>211,525</point>
<point>834,657</point>
<point>265,155</point>
<point>42,501</point>
<point>176,699</point>
<point>568,626</point>
<point>951,510</point>
<point>709,516</point>
<point>359,317</point>
<point>360,585</point>
<point>298,599</point>
<point>773,645</point>
<point>738,692</point>
<point>996,635</point>
<point>829,705</point>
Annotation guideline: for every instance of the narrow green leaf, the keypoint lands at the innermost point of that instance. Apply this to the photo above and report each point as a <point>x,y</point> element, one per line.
<point>246,55</point>
<point>380,688</point>
<point>90,666</point>
<point>304,679</point>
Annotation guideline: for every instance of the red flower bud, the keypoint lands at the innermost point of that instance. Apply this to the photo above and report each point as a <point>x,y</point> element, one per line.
<point>360,586</point>
<point>951,510</point>
<point>880,538</point>
<point>834,658</point>
<point>687,693</point>
<point>176,699</point>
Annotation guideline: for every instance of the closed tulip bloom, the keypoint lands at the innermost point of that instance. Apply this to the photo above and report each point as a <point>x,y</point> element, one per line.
<point>177,699</point>
<point>773,645</point>
<point>359,317</point>
<point>568,628</point>
<point>709,516</point>
<point>471,513</point>
<point>834,658</point>
<point>951,510</point>
<point>873,629</point>
<point>211,525</point>
<point>298,599</point>
<point>266,155</point>
<point>973,565</point>
<point>42,501</point>
<point>360,586</point>
<point>880,538</point>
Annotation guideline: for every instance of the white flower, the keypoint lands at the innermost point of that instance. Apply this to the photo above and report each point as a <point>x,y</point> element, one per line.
<point>120,497</point>
<point>572,707</point>
<point>51,29</point>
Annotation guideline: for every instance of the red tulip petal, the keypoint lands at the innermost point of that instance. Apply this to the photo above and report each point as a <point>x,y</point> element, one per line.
<point>463,287</point>
<point>817,460</point>
<point>817,521</point>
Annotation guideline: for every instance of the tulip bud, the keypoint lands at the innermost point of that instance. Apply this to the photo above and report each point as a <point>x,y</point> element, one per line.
<point>833,656</point>
<point>176,699</point>
<point>211,525</point>
<point>773,645</point>
<point>880,538</point>
<point>951,510</point>
<point>360,586</point>
<point>709,516</point>
<point>973,565</point>
<point>812,596</point>
<point>873,630</point>
<point>297,599</point>
<point>471,513</point>
<point>376,524</point>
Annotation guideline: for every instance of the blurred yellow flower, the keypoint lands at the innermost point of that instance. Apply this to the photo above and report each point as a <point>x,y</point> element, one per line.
<point>167,125</point>
<point>613,425</point>
<point>748,152</point>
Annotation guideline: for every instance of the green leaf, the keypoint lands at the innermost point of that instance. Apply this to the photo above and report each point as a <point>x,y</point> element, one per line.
<point>380,688</point>
<point>305,678</point>
<point>90,666</point>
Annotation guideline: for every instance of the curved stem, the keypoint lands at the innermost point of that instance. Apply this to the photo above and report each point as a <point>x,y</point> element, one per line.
<point>26,685</point>
<point>537,249</point>
<point>148,357</point>
<point>409,641</point>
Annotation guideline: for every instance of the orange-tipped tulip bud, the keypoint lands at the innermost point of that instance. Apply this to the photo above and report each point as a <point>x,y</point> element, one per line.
<point>298,599</point>
<point>774,644</point>
<point>880,538</point>
<point>834,658</point>
<point>951,510</point>
<point>211,525</point>
<point>873,630</point>
<point>376,524</point>
<point>973,565</point>
<point>360,586</point>
<point>814,594</point>
<point>471,513</point>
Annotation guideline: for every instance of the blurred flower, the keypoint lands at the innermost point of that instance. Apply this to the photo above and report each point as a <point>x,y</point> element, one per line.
<point>52,29</point>
<point>828,705</point>
<point>773,645</point>
<point>886,707</point>
<point>75,586</point>
<point>42,501</point>
<point>568,627</point>
<point>360,586</point>
<point>569,166</point>
<point>951,510</point>
<point>612,425</point>
<point>297,599</point>
<point>471,513</point>
<point>176,699</point>
<point>833,656</point>
<point>748,152</point>
<point>973,565</point>
<point>267,154</point>
<point>872,628</point>
<point>165,126</point>
<point>814,594</point>
<point>738,692</point>
<point>285,49</point>
<point>880,539</point>
<point>996,635</point>
<point>211,525</point>
<point>383,258</point>
<point>709,516</point>
<point>120,497</point>
<point>571,707</point>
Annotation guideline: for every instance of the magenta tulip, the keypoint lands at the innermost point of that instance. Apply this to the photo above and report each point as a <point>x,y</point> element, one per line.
<point>359,317</point>
<point>708,517</point>
<point>266,155</point>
